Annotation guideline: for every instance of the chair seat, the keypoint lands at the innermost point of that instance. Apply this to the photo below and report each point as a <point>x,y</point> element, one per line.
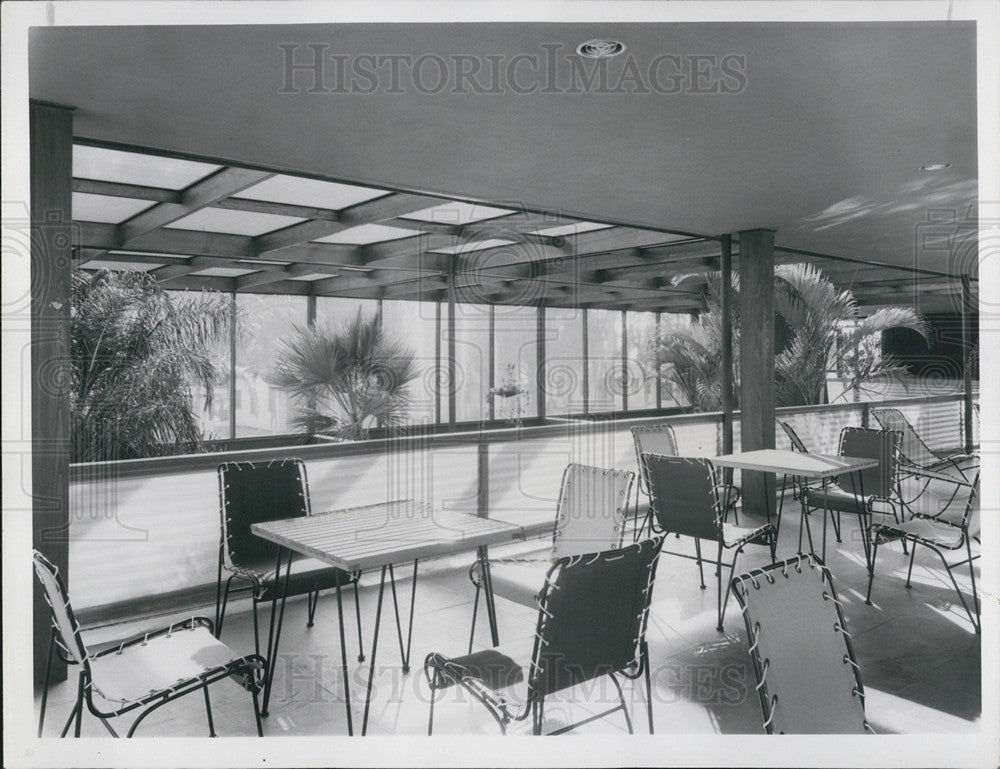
<point>161,663</point>
<point>307,574</point>
<point>924,530</point>
<point>496,669</point>
<point>519,580</point>
<point>734,536</point>
<point>832,498</point>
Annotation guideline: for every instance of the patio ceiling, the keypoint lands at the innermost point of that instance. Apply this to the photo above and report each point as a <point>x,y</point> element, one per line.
<point>511,190</point>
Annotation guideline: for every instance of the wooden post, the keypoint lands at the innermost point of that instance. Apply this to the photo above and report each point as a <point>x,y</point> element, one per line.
<point>493,361</point>
<point>233,336</point>
<point>659,382</point>
<point>51,163</point>
<point>967,359</point>
<point>726,268</point>
<point>452,380</point>
<point>437,362</point>
<point>586,363</point>
<point>624,362</point>
<point>757,359</point>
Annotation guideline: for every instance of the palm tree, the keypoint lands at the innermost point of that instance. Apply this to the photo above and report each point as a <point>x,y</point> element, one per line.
<point>136,351</point>
<point>823,330</point>
<point>353,368</point>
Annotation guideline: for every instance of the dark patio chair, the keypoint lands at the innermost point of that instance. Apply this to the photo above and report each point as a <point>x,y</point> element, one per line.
<point>948,528</point>
<point>686,500</point>
<point>251,493</point>
<point>854,495</point>
<point>808,679</point>
<point>144,672</point>
<point>798,483</point>
<point>591,515</point>
<point>592,617</point>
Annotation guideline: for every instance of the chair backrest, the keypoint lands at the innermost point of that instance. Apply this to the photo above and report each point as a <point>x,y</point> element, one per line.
<point>882,481</point>
<point>253,492</point>
<point>592,509</point>
<point>592,616</point>
<point>972,511</point>
<point>658,438</point>
<point>912,447</point>
<point>797,444</point>
<point>684,495</point>
<point>807,677</point>
<point>63,620</point>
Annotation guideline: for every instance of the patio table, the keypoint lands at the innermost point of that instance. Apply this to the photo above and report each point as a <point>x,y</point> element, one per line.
<point>820,467</point>
<point>378,536</point>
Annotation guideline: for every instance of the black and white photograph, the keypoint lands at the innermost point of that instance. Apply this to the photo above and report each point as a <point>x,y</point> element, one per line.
<point>448,384</point>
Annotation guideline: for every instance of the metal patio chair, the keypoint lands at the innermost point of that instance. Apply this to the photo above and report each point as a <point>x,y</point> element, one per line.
<point>808,679</point>
<point>916,455</point>
<point>858,496</point>
<point>798,483</point>
<point>593,611</point>
<point>144,672</point>
<point>686,500</point>
<point>251,493</point>
<point>591,515</point>
<point>948,528</point>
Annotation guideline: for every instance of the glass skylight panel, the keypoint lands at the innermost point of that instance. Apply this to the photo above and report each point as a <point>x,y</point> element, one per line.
<point>298,191</point>
<point>473,245</point>
<point>223,272</point>
<point>458,213</point>
<point>106,208</point>
<point>572,229</point>
<point>233,222</point>
<point>365,234</point>
<point>314,276</point>
<point>136,168</point>
<point>100,264</point>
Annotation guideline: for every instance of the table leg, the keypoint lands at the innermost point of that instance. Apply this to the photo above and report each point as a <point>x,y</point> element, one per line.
<point>343,661</point>
<point>371,667</point>
<point>273,636</point>
<point>404,654</point>
<point>859,497</point>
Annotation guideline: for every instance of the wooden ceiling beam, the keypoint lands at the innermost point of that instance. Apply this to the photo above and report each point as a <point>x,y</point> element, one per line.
<point>119,190</point>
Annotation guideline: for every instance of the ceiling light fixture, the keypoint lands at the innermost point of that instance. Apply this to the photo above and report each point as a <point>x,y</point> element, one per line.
<point>935,166</point>
<point>600,49</point>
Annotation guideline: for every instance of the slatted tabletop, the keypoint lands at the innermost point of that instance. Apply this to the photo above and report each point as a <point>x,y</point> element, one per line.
<point>794,463</point>
<point>360,538</point>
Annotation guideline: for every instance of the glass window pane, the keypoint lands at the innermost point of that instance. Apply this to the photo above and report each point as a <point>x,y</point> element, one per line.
<point>339,310</point>
<point>214,419</point>
<point>564,361</point>
<point>641,377</point>
<point>472,362</point>
<point>516,362</point>
<point>413,324</point>
<point>265,321</point>
<point>671,396</point>
<point>604,345</point>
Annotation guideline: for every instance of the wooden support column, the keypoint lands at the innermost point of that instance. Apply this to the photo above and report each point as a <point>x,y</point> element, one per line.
<point>233,337</point>
<point>586,362</point>
<point>726,268</point>
<point>437,362</point>
<point>659,382</point>
<point>757,359</point>
<point>492,361</point>
<point>51,162</point>
<point>624,362</point>
<point>967,359</point>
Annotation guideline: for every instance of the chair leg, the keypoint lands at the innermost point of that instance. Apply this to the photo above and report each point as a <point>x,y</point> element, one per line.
<point>724,601</point>
<point>972,576</point>
<point>222,611</point>
<point>649,686</point>
<point>254,695</point>
<point>208,711</point>
<point>357,613</point>
<point>475,611</point>
<point>621,699</point>
<point>256,628</point>
<point>76,711</point>
<point>909,571</point>
<point>45,685</point>
<point>430,715</point>
<point>701,571</point>
<point>973,619</point>
<point>218,598</point>
<point>79,707</point>
<point>312,598</point>
<point>871,570</point>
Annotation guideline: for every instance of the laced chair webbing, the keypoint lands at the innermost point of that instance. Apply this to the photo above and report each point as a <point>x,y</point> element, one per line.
<point>254,493</point>
<point>68,629</point>
<point>807,676</point>
<point>652,439</point>
<point>684,495</point>
<point>593,506</point>
<point>592,618</point>
<point>883,445</point>
<point>793,437</point>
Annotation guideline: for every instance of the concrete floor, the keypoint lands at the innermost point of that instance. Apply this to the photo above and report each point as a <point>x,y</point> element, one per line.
<point>919,657</point>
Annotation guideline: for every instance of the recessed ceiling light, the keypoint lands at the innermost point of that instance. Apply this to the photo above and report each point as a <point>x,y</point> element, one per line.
<point>935,166</point>
<point>600,49</point>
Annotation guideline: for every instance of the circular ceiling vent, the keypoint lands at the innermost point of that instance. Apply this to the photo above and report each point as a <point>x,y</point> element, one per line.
<point>600,49</point>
